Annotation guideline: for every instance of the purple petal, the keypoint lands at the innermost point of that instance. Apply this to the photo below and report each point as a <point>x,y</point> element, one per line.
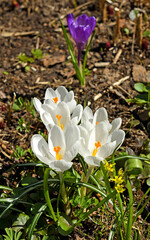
<point>82,20</point>
<point>70,20</point>
<point>92,23</point>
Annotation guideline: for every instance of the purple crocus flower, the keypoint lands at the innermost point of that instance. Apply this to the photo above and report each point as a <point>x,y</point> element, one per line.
<point>80,29</point>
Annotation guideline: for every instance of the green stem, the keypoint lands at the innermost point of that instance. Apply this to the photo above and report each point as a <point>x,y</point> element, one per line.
<point>85,180</point>
<point>46,194</point>
<point>64,194</point>
<point>130,217</point>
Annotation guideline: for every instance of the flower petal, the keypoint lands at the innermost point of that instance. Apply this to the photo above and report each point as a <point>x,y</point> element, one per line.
<point>101,132</point>
<point>70,20</point>
<point>40,148</point>
<point>62,91</point>
<point>100,115</point>
<point>60,165</point>
<point>93,161</point>
<point>72,135</point>
<point>116,123</point>
<point>106,150</point>
<point>37,104</point>
<point>77,114</point>
<point>118,136</point>
<point>92,23</point>
<point>56,138</point>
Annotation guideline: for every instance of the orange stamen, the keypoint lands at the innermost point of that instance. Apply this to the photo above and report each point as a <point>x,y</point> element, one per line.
<point>97,145</point>
<point>55,99</point>
<point>96,123</point>
<point>57,149</point>
<point>60,125</point>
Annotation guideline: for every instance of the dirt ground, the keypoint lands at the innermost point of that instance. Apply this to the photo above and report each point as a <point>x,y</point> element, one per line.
<point>110,82</point>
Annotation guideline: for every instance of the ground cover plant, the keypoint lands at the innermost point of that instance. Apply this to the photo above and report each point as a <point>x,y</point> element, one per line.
<point>74,139</point>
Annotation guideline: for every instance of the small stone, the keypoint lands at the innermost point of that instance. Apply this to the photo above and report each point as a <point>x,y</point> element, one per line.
<point>139,73</point>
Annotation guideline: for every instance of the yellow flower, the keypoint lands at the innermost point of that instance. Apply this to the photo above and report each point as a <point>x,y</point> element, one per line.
<point>120,172</point>
<point>119,188</point>
<point>118,180</point>
<point>109,166</point>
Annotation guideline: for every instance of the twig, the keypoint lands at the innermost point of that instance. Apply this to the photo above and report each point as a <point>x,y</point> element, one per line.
<point>10,34</point>
<point>117,56</point>
<point>99,95</point>
<point>71,11</point>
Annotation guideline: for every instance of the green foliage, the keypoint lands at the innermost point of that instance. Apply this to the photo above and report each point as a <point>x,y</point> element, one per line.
<point>21,104</point>
<point>11,234</point>
<point>23,126</point>
<point>142,99</point>
<point>24,58</point>
<point>37,53</point>
<point>146,33</point>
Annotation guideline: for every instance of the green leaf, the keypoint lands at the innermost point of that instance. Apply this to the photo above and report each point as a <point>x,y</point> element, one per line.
<point>5,188</point>
<point>28,180</point>
<point>146,33</point>
<point>148,182</point>
<point>25,59</point>
<point>20,222</point>
<point>133,166</point>
<point>39,212</point>
<point>126,30</point>
<point>65,225</point>
<point>140,87</point>
<point>37,53</point>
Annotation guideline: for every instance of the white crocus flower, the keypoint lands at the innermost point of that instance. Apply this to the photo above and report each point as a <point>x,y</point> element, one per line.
<point>61,148</point>
<point>97,144</point>
<point>60,116</point>
<point>53,97</point>
<point>89,121</point>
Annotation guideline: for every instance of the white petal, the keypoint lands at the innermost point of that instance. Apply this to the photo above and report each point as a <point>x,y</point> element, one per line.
<point>84,133</point>
<point>62,92</point>
<point>56,136</point>
<point>101,132</point>
<point>40,149</point>
<point>93,161</point>
<point>100,115</point>
<point>72,152</point>
<point>87,114</point>
<point>77,114</point>
<point>106,150</point>
<point>47,119</point>
<point>50,94</point>
<point>49,103</point>
<point>60,165</point>
<point>72,135</point>
<point>118,136</point>
<point>83,150</point>
<point>92,140</point>
<point>116,123</point>
<point>37,104</point>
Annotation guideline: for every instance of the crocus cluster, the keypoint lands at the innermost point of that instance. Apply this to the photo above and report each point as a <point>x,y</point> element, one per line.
<point>95,138</point>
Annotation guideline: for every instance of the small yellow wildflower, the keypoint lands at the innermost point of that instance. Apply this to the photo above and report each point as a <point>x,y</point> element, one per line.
<point>118,180</point>
<point>109,166</point>
<point>120,172</point>
<point>119,188</point>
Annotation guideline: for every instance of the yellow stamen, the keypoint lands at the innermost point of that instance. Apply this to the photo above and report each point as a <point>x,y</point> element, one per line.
<point>58,118</point>
<point>57,149</point>
<point>55,99</point>
<point>97,145</point>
